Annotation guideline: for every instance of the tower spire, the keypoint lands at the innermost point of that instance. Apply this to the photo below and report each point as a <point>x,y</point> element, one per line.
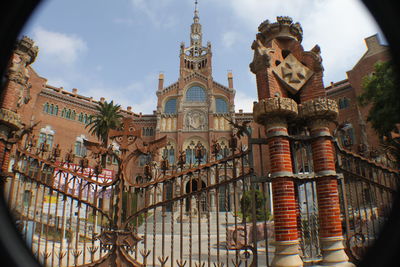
<point>196,13</point>
<point>195,32</point>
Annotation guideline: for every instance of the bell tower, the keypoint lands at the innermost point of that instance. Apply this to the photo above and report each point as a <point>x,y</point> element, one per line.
<point>196,57</point>
<point>195,33</point>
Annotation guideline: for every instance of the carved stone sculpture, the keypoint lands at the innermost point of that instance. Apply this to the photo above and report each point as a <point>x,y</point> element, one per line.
<point>261,56</point>
<point>320,108</point>
<point>274,107</point>
<point>195,120</point>
<point>292,73</point>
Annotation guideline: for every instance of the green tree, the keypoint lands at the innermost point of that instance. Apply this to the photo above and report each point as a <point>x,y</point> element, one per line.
<point>260,205</point>
<point>381,90</point>
<point>108,116</point>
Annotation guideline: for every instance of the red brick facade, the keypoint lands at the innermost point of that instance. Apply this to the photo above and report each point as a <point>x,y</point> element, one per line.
<point>291,95</point>
<point>358,134</point>
<point>287,97</point>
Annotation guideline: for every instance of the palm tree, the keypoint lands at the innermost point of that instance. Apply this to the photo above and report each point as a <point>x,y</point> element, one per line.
<point>107,117</point>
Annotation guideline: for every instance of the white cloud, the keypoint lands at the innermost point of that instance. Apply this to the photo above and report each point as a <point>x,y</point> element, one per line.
<point>58,47</point>
<point>155,11</point>
<point>230,38</point>
<point>140,95</point>
<point>244,101</point>
<point>58,82</point>
<point>338,26</point>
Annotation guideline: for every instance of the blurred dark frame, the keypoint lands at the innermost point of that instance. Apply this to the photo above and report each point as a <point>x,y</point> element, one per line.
<point>15,13</point>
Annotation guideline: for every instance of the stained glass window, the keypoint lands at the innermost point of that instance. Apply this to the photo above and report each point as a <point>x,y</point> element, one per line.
<point>170,106</point>
<point>221,105</point>
<point>196,94</point>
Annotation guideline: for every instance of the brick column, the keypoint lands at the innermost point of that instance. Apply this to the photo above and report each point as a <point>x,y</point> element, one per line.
<point>320,113</point>
<point>273,113</point>
<point>14,95</point>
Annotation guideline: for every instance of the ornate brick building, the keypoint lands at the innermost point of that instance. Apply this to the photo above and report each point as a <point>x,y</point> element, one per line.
<point>357,134</point>
<point>195,112</point>
<point>192,111</point>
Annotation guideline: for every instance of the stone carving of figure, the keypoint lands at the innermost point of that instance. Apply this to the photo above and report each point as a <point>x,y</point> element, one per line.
<point>261,56</point>
<point>195,120</point>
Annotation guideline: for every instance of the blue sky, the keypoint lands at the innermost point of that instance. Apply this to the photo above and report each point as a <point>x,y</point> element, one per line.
<point>116,49</point>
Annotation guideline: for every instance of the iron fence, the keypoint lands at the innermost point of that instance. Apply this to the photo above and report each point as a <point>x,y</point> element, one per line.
<point>367,190</point>
<point>218,213</point>
<point>59,208</point>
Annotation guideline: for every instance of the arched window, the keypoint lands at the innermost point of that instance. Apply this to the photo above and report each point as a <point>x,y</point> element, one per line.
<point>196,94</point>
<point>27,197</point>
<point>144,159</point>
<point>51,109</point>
<point>56,110</point>
<point>224,198</point>
<point>80,117</point>
<point>221,105</point>
<point>170,106</point>
<point>113,159</point>
<point>86,121</point>
<point>80,149</point>
<point>169,154</point>
<point>346,102</point>
<point>340,103</point>
<point>347,136</point>
<point>191,153</point>
<point>151,132</point>
<point>224,152</point>
<point>68,115</point>
<point>46,108</point>
<point>73,115</point>
<point>47,139</point>
<point>64,113</point>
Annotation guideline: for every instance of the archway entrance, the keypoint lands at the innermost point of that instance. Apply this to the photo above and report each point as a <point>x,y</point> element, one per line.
<point>191,204</point>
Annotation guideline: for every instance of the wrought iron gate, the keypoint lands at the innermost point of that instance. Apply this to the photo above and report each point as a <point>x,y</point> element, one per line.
<point>60,207</point>
<point>72,214</point>
<point>213,214</point>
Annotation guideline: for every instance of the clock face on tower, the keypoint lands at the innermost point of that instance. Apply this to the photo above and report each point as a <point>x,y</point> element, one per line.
<point>195,36</point>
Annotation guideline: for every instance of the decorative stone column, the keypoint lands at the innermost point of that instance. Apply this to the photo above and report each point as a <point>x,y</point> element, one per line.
<point>14,95</point>
<point>274,113</point>
<point>319,113</point>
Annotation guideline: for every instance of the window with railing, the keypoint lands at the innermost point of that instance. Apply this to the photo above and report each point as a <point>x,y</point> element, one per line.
<point>46,140</point>
<point>80,149</point>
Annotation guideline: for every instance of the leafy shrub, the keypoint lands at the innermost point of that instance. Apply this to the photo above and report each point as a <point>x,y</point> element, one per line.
<point>260,206</point>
